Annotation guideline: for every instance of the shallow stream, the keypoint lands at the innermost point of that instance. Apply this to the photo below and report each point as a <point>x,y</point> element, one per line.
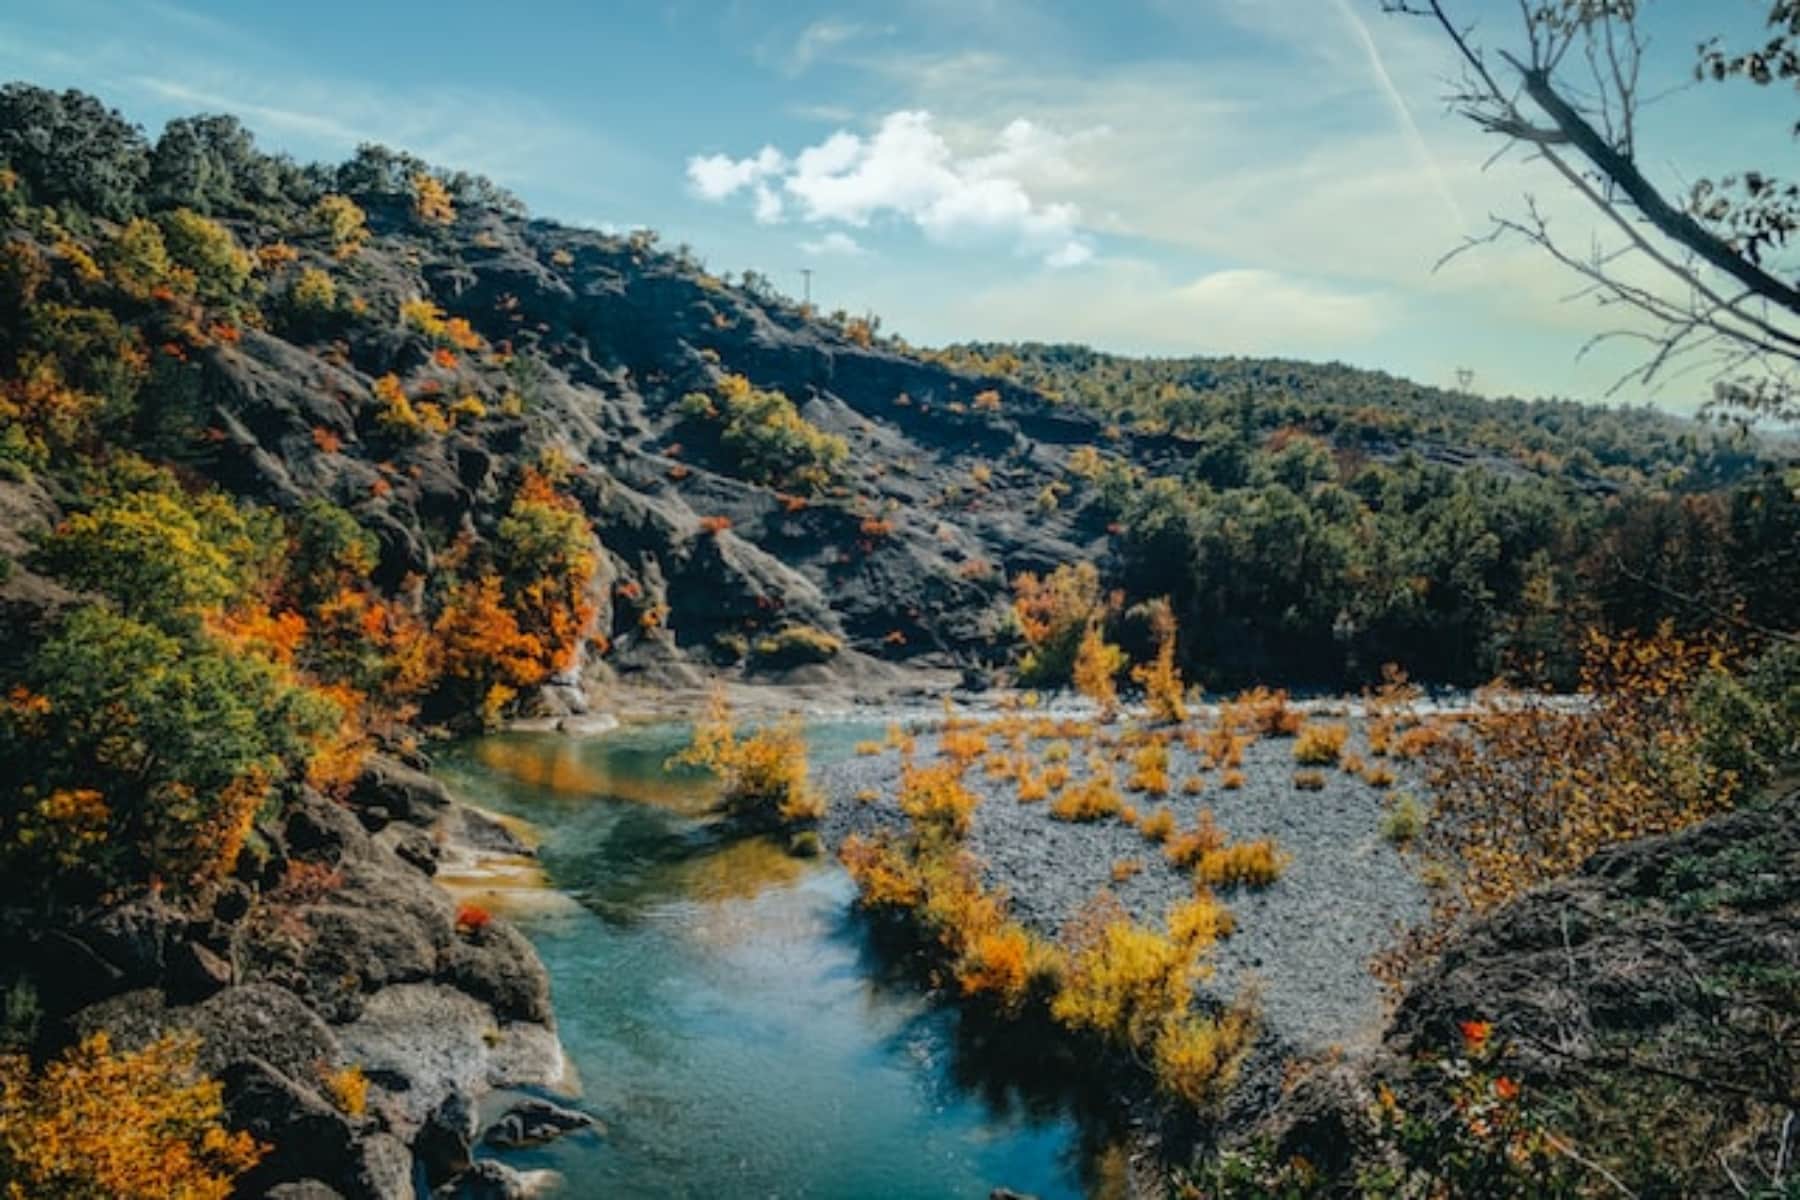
<point>727,1014</point>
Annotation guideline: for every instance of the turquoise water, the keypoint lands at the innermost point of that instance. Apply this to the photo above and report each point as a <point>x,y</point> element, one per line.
<point>728,1017</point>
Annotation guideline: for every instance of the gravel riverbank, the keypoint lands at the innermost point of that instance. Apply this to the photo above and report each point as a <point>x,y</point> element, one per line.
<point>1307,938</point>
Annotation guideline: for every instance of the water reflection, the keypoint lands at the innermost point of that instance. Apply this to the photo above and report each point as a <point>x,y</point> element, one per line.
<point>738,1028</point>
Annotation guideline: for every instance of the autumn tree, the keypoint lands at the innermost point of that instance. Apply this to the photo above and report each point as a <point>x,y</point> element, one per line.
<point>1096,670</point>
<point>162,555</point>
<point>545,549</point>
<point>1054,613</point>
<point>131,752</point>
<point>343,223</point>
<point>1160,678</point>
<point>1704,272</point>
<point>1531,787</point>
<point>431,200</point>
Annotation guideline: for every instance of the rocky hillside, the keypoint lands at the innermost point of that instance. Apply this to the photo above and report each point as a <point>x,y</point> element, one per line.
<point>1627,1030</point>
<point>403,359</point>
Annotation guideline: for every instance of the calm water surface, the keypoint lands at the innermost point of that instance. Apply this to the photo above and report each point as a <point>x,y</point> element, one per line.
<point>727,1015</point>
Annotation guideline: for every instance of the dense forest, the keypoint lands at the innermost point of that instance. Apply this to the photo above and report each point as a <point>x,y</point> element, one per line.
<point>1323,521</point>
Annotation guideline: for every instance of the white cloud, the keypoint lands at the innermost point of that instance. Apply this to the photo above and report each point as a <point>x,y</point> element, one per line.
<point>716,176</point>
<point>837,243</point>
<point>908,170</point>
<point>817,41</point>
<point>1131,302</point>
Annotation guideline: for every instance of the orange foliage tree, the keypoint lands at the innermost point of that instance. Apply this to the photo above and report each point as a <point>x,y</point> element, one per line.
<point>1533,785</point>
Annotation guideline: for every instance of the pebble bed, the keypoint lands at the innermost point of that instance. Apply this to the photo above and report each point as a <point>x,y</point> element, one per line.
<point>1306,940</point>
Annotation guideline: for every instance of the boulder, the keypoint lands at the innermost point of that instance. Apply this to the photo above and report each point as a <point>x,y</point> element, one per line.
<point>496,964</point>
<point>398,792</point>
<point>490,1180</point>
<point>196,972</point>
<point>303,1189</point>
<point>533,1122</point>
<point>383,1169</point>
<point>307,1137</point>
<point>445,1143</point>
<point>423,1041</point>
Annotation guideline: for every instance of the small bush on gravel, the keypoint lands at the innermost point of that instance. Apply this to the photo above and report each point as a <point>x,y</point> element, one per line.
<point>936,800</point>
<point>1087,800</point>
<point>1320,745</point>
<point>1402,820</point>
<point>1246,864</point>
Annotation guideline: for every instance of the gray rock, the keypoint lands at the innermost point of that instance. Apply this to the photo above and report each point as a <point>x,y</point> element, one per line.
<point>384,1170</point>
<point>259,1021</point>
<point>196,972</point>
<point>490,1180</point>
<point>533,1122</point>
<point>445,1143</point>
<point>416,849</point>
<point>303,1189</point>
<point>496,964</point>
<point>307,1137</point>
<point>321,831</point>
<point>440,1040</point>
<point>484,833</point>
<point>399,792</point>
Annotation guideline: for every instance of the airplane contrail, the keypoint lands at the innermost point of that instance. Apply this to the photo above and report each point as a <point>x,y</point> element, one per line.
<point>1408,126</point>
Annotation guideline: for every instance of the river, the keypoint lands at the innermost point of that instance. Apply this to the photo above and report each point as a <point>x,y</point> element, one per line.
<point>730,1018</point>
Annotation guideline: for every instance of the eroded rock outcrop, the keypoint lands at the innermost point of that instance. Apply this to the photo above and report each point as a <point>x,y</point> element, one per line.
<point>346,958</point>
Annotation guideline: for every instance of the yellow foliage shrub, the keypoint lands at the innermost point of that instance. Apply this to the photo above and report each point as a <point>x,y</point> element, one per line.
<point>1249,864</point>
<point>883,875</point>
<point>97,1124</point>
<point>1320,745</point>
<point>1184,849</point>
<point>1125,982</point>
<point>962,745</point>
<point>349,1089</point>
<point>1195,1059</point>
<point>1418,740</point>
<point>764,775</point>
<point>1149,769</point>
<point>1158,825</point>
<point>1201,921</point>
<point>1097,665</point>
<point>1087,799</point>
<point>1163,691</point>
<point>1309,781</point>
<point>1269,713</point>
<point>936,801</point>
<point>1231,781</point>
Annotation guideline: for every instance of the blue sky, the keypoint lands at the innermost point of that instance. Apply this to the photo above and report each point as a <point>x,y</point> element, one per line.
<point>1148,176</point>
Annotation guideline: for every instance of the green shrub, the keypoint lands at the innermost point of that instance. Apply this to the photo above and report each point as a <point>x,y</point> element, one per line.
<point>796,645</point>
<point>769,439</point>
